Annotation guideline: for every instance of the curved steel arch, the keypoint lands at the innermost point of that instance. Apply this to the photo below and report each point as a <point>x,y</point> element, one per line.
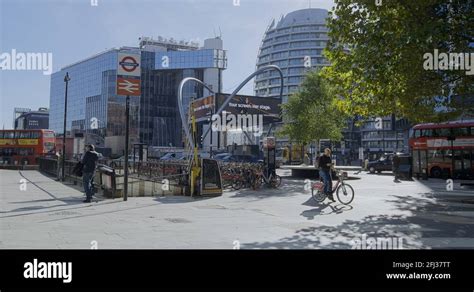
<point>181,109</point>
<point>265,68</point>
<point>221,108</point>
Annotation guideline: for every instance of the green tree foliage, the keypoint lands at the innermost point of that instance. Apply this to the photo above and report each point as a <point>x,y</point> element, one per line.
<point>377,55</point>
<point>311,114</point>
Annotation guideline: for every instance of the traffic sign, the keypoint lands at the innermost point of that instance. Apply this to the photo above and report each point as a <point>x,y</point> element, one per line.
<point>128,64</point>
<point>128,74</point>
<point>128,86</point>
<point>269,142</point>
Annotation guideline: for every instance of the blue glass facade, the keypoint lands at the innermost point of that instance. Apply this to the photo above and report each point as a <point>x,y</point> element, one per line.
<point>154,116</point>
<point>199,59</point>
<point>94,80</point>
<point>300,34</point>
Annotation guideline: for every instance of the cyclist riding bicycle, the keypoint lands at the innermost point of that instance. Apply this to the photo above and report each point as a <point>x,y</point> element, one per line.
<point>325,164</point>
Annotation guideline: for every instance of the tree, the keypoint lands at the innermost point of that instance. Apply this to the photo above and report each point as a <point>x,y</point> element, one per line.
<point>311,114</point>
<point>378,52</point>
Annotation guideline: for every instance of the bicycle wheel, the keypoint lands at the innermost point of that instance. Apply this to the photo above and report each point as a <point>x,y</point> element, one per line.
<point>237,184</point>
<point>345,194</point>
<point>257,182</point>
<point>317,195</point>
<point>276,181</point>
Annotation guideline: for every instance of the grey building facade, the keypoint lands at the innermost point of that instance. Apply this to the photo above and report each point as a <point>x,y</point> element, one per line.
<point>390,136</point>
<point>295,43</point>
<point>31,120</point>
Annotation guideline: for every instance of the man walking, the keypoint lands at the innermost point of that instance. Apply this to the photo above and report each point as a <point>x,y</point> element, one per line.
<point>325,163</point>
<point>90,163</point>
<point>395,167</point>
<point>59,162</point>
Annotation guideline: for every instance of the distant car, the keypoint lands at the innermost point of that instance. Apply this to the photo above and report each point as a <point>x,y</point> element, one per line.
<point>173,156</point>
<point>121,161</point>
<point>222,156</point>
<point>245,158</point>
<point>227,157</point>
<point>384,163</point>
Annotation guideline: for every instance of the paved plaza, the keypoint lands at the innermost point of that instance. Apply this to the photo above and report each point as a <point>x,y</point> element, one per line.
<point>38,212</point>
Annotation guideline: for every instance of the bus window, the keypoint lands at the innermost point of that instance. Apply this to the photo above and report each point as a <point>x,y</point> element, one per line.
<point>24,151</point>
<point>467,160</point>
<point>417,133</point>
<point>48,135</point>
<point>24,135</point>
<point>35,135</point>
<point>444,132</point>
<point>428,133</point>
<point>461,132</point>
<point>48,146</point>
<point>9,135</point>
<point>7,152</point>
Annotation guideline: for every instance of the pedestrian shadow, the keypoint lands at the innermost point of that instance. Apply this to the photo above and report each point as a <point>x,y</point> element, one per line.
<point>72,202</point>
<point>426,223</point>
<point>34,201</point>
<point>324,208</point>
<point>388,173</point>
<point>181,199</point>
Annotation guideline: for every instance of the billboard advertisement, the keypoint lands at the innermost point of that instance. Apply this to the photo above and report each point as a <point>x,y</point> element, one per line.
<point>203,108</point>
<point>240,104</point>
<point>253,105</point>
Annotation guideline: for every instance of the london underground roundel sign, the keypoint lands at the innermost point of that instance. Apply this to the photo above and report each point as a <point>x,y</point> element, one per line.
<point>128,64</point>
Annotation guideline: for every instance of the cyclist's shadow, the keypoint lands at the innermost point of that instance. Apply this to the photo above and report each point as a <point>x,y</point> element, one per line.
<point>325,208</point>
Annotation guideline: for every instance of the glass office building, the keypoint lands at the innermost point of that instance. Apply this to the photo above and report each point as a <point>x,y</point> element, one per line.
<point>391,136</point>
<point>95,109</point>
<point>298,37</point>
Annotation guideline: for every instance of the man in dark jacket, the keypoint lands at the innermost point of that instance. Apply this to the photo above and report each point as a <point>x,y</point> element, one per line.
<point>325,163</point>
<point>89,160</point>
<point>395,166</point>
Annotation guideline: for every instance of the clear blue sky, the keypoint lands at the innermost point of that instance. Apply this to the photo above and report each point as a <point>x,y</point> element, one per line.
<point>73,30</point>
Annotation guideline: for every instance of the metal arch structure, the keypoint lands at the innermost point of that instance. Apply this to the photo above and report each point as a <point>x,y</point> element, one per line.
<point>226,102</point>
<point>265,68</point>
<point>181,109</point>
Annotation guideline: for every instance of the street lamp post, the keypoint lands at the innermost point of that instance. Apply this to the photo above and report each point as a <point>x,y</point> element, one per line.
<point>66,79</point>
<point>453,163</point>
<point>127,137</point>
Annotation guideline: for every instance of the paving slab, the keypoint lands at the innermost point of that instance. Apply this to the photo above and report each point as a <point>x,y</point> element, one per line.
<point>38,212</point>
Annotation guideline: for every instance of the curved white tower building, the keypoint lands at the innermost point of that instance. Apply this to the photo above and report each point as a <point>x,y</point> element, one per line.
<point>295,44</point>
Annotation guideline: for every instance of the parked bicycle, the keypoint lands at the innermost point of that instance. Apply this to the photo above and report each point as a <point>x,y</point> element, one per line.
<point>344,191</point>
<point>247,175</point>
<point>273,180</point>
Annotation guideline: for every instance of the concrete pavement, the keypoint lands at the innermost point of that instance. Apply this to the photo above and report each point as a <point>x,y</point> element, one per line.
<point>48,214</point>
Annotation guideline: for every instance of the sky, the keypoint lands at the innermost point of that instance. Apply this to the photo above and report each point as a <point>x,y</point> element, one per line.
<point>72,30</point>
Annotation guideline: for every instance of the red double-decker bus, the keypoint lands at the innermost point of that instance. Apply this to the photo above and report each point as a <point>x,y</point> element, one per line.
<point>25,146</point>
<point>444,149</point>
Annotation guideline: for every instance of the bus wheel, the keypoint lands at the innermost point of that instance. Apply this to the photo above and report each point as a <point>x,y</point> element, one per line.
<point>436,172</point>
